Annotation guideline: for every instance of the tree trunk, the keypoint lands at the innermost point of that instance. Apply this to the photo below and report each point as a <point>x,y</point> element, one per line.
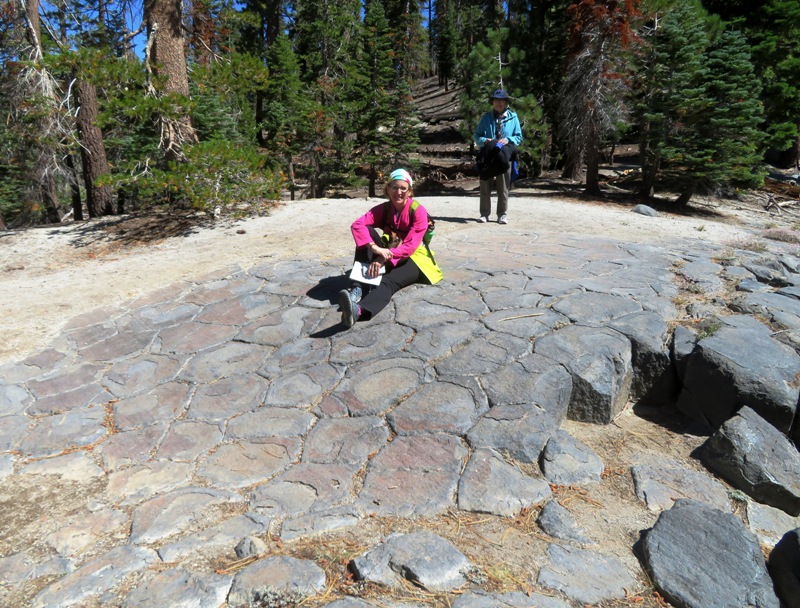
<point>93,151</point>
<point>593,171</point>
<point>43,179</point>
<point>165,37</point>
<point>650,164</point>
<point>49,194</point>
<point>75,190</point>
<point>2,222</point>
<point>683,200</point>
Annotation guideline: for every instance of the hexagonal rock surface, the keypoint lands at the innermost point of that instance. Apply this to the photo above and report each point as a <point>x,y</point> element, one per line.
<point>414,476</point>
<point>514,599</point>
<point>566,461</point>
<point>660,484</point>
<point>276,581</point>
<point>95,577</point>
<point>490,485</point>
<point>741,364</point>
<point>422,558</point>
<point>586,576</point>
<point>180,589</point>
<point>753,456</point>
<point>599,360</point>
<point>726,570</point>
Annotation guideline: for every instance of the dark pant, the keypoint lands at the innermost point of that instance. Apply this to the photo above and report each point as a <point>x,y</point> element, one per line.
<point>396,277</point>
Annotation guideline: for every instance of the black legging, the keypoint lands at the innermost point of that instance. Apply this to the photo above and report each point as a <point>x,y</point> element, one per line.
<point>396,277</point>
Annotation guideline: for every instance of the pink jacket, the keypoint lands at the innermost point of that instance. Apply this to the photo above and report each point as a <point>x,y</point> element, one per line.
<point>412,235</point>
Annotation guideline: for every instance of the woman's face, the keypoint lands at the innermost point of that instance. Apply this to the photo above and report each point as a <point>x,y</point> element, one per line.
<point>500,105</point>
<point>398,192</point>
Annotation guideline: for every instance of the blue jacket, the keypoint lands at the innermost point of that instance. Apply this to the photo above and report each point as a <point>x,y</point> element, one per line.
<point>509,128</point>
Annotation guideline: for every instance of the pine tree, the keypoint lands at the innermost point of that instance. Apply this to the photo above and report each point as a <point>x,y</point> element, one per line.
<point>327,38</point>
<point>775,28</point>
<point>375,109</point>
<point>591,96</point>
<point>668,89</point>
<point>725,147</point>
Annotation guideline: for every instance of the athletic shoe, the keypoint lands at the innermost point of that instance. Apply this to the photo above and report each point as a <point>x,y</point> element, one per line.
<point>349,308</point>
<point>355,293</point>
<point>502,219</point>
<point>483,219</point>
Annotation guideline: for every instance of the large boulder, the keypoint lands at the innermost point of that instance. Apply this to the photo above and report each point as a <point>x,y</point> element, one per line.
<point>756,458</point>
<point>725,570</point>
<point>784,565</point>
<point>741,364</point>
<point>599,361</point>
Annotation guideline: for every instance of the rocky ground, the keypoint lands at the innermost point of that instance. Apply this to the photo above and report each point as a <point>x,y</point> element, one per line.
<point>84,484</point>
<point>170,386</point>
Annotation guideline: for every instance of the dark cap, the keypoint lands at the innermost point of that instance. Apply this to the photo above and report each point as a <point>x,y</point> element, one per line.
<point>499,94</point>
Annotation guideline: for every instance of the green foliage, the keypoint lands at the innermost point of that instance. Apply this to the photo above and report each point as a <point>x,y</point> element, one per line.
<point>215,174</point>
<point>728,145</point>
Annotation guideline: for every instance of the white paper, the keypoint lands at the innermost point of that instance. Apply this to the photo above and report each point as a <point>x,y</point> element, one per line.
<point>359,273</point>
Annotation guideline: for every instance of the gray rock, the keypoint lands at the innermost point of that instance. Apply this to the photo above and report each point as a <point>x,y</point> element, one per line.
<point>55,434</point>
<point>423,558</point>
<point>645,210</point>
<point>304,488</point>
<point>599,360</point>
<point>447,405</point>
<point>214,539</point>
<point>726,570</point>
<point>320,522</point>
<point>784,566</point>
<point>519,431</point>
<point>247,463</point>
<point>770,273</point>
<point>491,485</point>
<point>683,343</point>
<point>95,577</point>
<point>276,581</point>
<point>558,522</point>
<point>181,589</point>
<point>484,356</point>
<point>768,523</point>
<point>596,309</point>
<point>137,483</point>
<point>654,378</point>
<point>533,379</point>
<point>756,458</point>
<point>586,576</point>
<point>741,364</point>
<point>231,359</point>
<point>514,599</point>
<point>345,440</point>
<point>565,461</point>
<point>250,546</point>
<point>414,476</point>
<point>660,484</point>
<point>167,514</point>
<point>374,387</point>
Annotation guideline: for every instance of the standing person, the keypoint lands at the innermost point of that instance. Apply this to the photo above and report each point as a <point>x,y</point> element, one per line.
<point>497,136</point>
<point>400,256</point>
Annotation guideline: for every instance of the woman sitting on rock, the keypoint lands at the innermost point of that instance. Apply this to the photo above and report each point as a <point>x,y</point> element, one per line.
<point>391,259</point>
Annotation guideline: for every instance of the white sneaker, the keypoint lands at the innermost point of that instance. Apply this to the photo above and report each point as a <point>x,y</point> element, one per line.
<point>502,219</point>
<point>483,219</point>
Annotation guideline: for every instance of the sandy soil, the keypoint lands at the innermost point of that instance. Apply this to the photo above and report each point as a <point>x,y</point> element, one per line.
<point>50,274</point>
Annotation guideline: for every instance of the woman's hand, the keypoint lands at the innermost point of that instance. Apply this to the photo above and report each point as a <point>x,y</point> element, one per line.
<point>374,269</point>
<point>381,252</point>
